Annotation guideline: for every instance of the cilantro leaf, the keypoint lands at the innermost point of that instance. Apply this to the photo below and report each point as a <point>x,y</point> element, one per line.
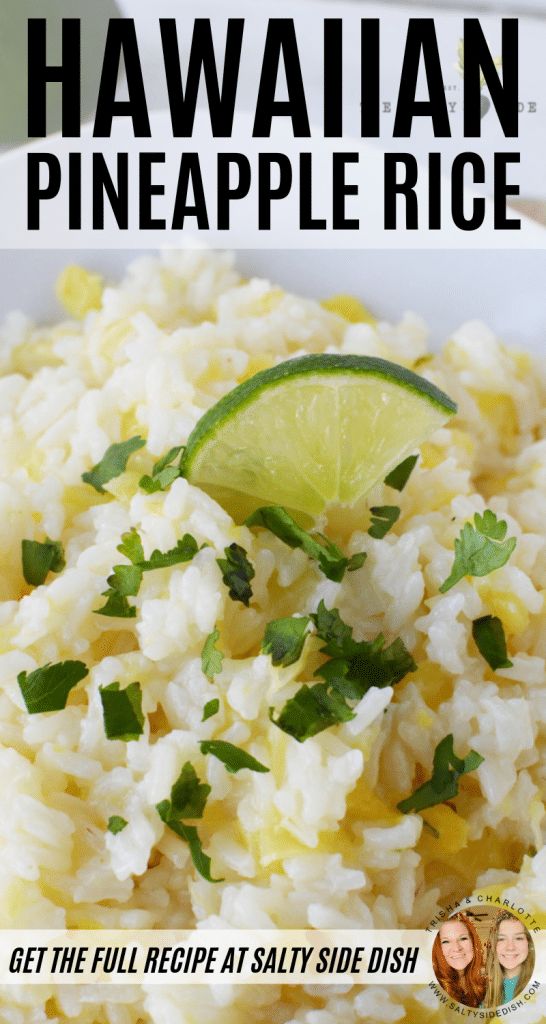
<point>159,481</point>
<point>163,472</point>
<point>284,639</point>
<point>117,606</point>
<point>311,710</point>
<point>480,549</point>
<point>330,626</point>
<point>399,476</point>
<point>231,756</point>
<point>211,708</point>
<point>490,640</point>
<point>116,824</point>
<point>365,664</point>
<point>122,711</point>
<point>331,560</point>
<point>490,526</point>
<point>356,561</point>
<point>167,459</point>
<point>237,571</point>
<point>187,799</point>
<point>131,546</point>
<point>351,669</point>
<point>184,551</point>
<point>190,835</point>
<point>125,580</point>
<point>211,657</point>
<point>188,794</point>
<point>444,784</point>
<point>200,859</point>
<point>113,463</point>
<point>383,518</point>
<point>354,666</point>
<point>47,688</point>
<point>40,558</point>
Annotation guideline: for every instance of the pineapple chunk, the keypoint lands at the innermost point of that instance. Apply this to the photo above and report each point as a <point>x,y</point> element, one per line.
<point>452,829</point>
<point>349,309</point>
<point>79,291</point>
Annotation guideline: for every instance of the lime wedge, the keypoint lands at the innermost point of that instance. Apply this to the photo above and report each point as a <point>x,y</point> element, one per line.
<point>312,432</point>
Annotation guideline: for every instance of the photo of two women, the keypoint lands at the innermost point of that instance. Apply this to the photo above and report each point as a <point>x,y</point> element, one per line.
<point>483,958</point>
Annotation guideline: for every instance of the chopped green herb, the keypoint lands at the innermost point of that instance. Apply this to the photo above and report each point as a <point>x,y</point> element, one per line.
<point>122,711</point>
<point>237,572</point>
<point>284,639</point>
<point>364,664</point>
<point>211,708</point>
<point>163,472</point>
<point>126,579</point>
<point>167,459</point>
<point>330,626</point>
<point>117,606</point>
<point>188,798</point>
<point>490,640</point>
<point>354,666</point>
<point>188,794</point>
<point>231,756</point>
<point>190,835</point>
<point>331,560</point>
<point>399,476</point>
<point>430,828</point>
<point>480,549</point>
<point>444,784</point>
<point>211,657</point>
<point>113,463</point>
<point>311,710</point>
<point>131,546</point>
<point>41,558</point>
<point>47,688</point>
<point>184,551</point>
<point>356,561</point>
<point>116,824</point>
<point>383,518</point>
<point>200,859</point>
<point>490,526</point>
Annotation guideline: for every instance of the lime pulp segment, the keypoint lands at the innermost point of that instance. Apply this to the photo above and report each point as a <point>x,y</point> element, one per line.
<point>313,431</point>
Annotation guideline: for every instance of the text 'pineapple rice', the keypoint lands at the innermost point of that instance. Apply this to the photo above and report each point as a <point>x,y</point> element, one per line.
<point>318,841</point>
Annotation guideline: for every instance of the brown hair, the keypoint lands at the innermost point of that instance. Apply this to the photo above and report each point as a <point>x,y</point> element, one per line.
<point>468,986</point>
<point>495,973</point>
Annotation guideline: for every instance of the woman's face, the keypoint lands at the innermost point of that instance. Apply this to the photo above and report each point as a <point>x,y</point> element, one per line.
<point>456,944</point>
<point>512,947</point>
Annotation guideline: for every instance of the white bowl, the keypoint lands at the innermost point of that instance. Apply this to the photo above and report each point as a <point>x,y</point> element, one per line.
<point>504,289</point>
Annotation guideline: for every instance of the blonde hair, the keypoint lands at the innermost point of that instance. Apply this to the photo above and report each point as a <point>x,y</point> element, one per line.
<point>494,971</point>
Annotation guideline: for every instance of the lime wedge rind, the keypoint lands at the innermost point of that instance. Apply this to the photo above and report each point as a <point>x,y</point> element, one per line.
<point>313,431</point>
<point>301,366</point>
